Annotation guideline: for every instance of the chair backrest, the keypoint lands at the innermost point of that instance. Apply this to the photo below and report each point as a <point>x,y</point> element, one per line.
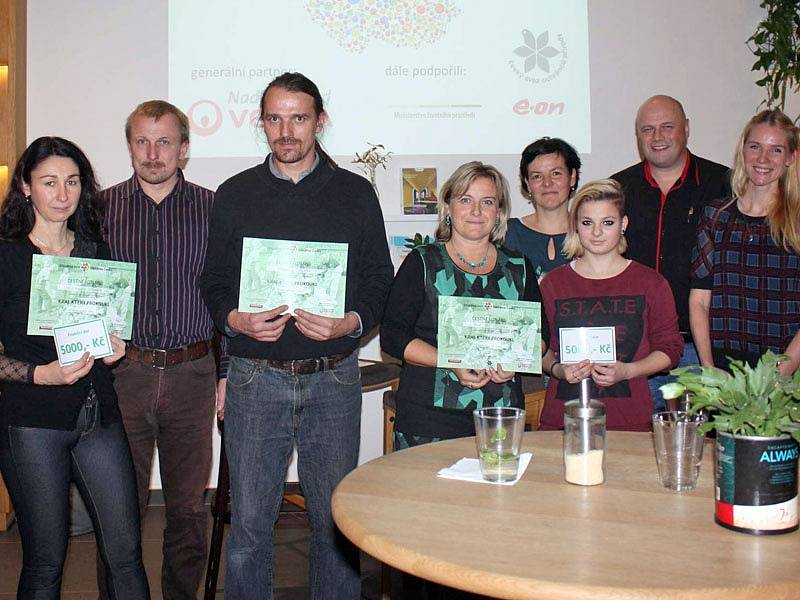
<point>389,414</point>
<point>534,402</point>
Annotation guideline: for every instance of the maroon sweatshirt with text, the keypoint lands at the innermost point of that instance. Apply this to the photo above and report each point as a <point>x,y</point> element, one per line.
<point>640,306</point>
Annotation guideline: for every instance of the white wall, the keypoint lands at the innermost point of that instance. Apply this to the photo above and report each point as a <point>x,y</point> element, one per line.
<point>90,63</point>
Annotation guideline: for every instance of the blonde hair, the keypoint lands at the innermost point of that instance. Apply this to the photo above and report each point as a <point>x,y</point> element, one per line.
<point>602,190</point>
<point>458,183</point>
<point>155,109</point>
<point>783,216</point>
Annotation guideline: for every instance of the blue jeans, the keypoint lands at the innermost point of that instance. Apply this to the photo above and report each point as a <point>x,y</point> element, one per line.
<point>38,465</point>
<point>267,411</point>
<point>689,357</point>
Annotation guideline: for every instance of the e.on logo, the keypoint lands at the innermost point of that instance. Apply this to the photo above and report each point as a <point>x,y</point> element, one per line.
<point>206,117</point>
<point>527,107</point>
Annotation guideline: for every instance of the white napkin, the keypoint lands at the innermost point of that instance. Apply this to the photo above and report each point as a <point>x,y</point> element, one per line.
<point>469,469</point>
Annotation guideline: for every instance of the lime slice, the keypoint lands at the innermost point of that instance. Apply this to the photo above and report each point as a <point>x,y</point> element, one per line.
<point>489,457</point>
<point>492,458</point>
<point>499,435</point>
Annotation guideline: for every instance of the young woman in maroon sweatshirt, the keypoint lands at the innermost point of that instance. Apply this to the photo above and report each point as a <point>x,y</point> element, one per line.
<point>600,287</point>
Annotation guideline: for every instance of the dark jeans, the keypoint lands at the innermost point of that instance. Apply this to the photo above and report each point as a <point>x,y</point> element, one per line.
<point>689,357</point>
<point>38,465</point>
<point>267,411</point>
<point>173,408</point>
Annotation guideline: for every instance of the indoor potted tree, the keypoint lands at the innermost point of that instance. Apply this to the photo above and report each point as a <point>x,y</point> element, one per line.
<point>776,45</point>
<point>756,414</point>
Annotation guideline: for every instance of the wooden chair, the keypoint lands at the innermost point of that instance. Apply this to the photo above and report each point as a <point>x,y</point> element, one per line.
<point>221,512</point>
<point>534,402</point>
<point>389,414</point>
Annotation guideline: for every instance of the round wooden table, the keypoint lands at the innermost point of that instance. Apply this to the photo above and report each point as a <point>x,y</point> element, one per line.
<point>546,539</point>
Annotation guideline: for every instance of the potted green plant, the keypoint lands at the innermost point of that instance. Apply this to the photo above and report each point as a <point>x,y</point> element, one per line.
<point>776,45</point>
<point>416,241</point>
<point>756,414</point>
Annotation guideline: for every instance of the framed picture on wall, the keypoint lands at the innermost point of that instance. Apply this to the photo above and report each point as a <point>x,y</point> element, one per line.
<point>419,191</point>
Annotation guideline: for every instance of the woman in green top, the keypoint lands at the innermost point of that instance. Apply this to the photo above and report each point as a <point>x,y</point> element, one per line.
<point>466,260</point>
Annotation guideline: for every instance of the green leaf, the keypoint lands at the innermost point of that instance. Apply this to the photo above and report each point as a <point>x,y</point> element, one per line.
<point>750,401</point>
<point>775,44</point>
<point>672,390</point>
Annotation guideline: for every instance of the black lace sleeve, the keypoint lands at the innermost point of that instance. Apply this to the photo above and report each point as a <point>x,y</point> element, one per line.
<point>15,370</point>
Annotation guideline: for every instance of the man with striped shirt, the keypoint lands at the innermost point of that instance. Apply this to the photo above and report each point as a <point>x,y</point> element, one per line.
<point>167,383</point>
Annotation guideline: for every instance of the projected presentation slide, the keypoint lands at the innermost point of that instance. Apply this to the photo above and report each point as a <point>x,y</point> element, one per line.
<point>472,77</point>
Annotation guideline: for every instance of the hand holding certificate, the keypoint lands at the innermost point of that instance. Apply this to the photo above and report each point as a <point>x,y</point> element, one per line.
<point>67,290</point>
<point>480,333</point>
<point>74,341</point>
<point>265,326</point>
<point>307,275</point>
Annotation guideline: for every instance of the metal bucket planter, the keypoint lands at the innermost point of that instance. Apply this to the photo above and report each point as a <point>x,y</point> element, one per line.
<point>756,483</point>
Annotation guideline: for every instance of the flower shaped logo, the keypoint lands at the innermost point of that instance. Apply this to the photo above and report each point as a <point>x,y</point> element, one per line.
<point>536,51</point>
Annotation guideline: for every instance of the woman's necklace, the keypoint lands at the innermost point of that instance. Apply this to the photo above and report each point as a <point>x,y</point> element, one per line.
<point>478,265</point>
<point>44,244</point>
<point>752,222</point>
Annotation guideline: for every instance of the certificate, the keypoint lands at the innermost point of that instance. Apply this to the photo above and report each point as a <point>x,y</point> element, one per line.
<point>480,333</point>
<point>72,341</point>
<point>307,275</point>
<point>598,344</point>
<point>66,290</point>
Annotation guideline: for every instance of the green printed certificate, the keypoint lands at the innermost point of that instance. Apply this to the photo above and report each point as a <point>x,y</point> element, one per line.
<point>307,275</point>
<point>479,333</point>
<point>66,290</point>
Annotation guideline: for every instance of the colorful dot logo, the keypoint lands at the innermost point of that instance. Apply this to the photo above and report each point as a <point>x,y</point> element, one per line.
<point>353,24</point>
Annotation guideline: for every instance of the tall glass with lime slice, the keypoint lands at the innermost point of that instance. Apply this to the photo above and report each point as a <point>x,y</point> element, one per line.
<point>498,436</point>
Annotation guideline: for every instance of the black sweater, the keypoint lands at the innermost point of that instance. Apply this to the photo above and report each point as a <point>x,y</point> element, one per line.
<point>44,406</point>
<point>328,205</point>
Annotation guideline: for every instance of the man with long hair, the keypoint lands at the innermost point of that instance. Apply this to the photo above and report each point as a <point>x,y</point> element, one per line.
<point>293,377</point>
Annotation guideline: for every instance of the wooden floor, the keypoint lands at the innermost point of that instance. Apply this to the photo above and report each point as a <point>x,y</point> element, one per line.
<point>291,556</point>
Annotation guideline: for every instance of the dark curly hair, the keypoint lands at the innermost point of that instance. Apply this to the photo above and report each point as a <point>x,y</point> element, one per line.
<point>17,216</point>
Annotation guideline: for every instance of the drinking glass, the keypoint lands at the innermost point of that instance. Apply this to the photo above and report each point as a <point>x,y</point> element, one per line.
<point>498,436</point>
<point>679,448</point>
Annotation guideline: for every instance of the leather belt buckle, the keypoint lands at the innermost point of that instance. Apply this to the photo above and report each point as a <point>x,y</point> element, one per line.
<point>307,366</point>
<point>159,358</point>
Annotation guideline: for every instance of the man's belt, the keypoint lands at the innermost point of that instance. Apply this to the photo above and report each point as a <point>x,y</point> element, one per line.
<point>161,359</point>
<point>307,366</point>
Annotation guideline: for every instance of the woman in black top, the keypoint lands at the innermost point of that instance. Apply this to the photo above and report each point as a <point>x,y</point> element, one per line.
<point>468,260</point>
<point>60,424</point>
